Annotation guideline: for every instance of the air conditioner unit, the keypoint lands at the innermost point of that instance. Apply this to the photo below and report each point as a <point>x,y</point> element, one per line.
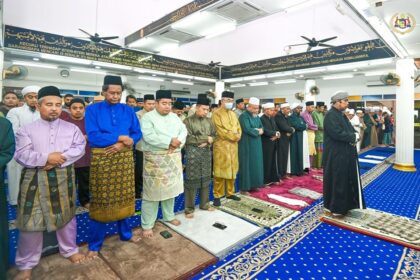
<point>238,11</point>
<point>176,35</point>
<point>375,84</point>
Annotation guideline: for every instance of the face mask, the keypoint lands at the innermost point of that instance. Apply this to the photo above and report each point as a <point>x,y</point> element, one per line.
<point>289,114</point>
<point>228,106</point>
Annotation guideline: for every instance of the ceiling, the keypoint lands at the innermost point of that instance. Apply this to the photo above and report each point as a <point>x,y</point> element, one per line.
<point>263,38</point>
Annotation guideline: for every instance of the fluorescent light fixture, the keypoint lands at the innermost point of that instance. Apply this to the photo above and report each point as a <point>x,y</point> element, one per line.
<point>179,75</point>
<point>280,74</point>
<point>89,71</point>
<point>35,59</point>
<point>289,81</point>
<point>145,58</point>
<point>258,84</point>
<point>65,59</point>
<point>142,70</point>
<point>150,79</point>
<point>39,65</point>
<point>232,80</point>
<point>256,77</point>
<point>377,73</point>
<point>190,21</point>
<point>381,61</point>
<point>111,65</point>
<point>115,53</point>
<point>335,77</point>
<point>309,70</point>
<point>347,66</point>
<point>205,79</point>
<point>237,85</point>
<point>219,30</point>
<point>182,82</point>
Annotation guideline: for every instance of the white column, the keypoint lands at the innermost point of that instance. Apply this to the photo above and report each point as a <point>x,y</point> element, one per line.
<point>404,154</point>
<point>308,85</point>
<point>219,88</point>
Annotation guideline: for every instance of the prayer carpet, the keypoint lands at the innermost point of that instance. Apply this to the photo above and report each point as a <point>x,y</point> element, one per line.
<point>306,181</point>
<point>306,193</point>
<point>205,229</point>
<point>156,258</point>
<point>393,228</point>
<point>58,268</point>
<point>258,211</point>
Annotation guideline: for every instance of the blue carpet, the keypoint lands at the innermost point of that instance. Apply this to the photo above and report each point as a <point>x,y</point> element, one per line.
<point>329,252</point>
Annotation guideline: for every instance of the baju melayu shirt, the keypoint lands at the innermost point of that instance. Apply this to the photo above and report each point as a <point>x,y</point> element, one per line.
<point>105,122</point>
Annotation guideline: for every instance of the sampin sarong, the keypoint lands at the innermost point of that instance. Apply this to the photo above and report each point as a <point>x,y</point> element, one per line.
<point>162,175</point>
<point>47,199</point>
<point>111,185</point>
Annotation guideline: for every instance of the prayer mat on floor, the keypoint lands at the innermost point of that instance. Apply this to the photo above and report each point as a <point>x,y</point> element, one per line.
<point>375,157</point>
<point>318,177</point>
<point>157,257</point>
<point>55,267</point>
<point>381,225</point>
<point>258,211</point>
<point>306,193</point>
<point>369,160</point>
<point>216,231</point>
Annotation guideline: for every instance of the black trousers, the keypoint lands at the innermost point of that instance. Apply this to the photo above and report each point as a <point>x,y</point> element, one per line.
<point>82,177</point>
<point>139,173</point>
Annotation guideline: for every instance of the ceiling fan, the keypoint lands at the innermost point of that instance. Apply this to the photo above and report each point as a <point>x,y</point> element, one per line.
<point>312,43</point>
<point>214,64</point>
<point>98,39</point>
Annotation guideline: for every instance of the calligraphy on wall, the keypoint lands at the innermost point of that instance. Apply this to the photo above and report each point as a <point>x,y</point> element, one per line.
<point>366,50</point>
<point>41,42</point>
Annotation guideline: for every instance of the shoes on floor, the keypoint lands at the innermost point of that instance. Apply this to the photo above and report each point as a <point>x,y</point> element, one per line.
<point>216,202</point>
<point>234,197</point>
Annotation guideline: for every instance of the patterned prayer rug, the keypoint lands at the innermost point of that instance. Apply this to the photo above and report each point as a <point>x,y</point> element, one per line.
<point>382,225</point>
<point>157,257</point>
<point>58,268</point>
<point>216,231</point>
<point>318,177</point>
<point>258,211</point>
<point>306,193</point>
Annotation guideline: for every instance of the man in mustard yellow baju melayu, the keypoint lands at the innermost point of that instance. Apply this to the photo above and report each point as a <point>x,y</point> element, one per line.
<point>225,149</point>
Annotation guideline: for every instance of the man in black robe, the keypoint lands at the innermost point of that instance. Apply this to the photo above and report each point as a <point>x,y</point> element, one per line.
<point>286,131</point>
<point>269,140</point>
<point>342,185</point>
<point>296,142</point>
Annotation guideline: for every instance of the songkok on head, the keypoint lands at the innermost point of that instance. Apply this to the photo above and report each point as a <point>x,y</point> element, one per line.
<point>148,97</point>
<point>268,105</point>
<point>77,100</point>
<point>228,94</point>
<point>166,94</point>
<point>254,101</point>
<point>30,89</point>
<point>179,105</point>
<point>48,91</point>
<point>309,103</point>
<point>351,111</point>
<point>139,99</point>
<point>295,105</point>
<point>240,100</point>
<point>113,80</point>
<point>203,100</point>
<point>284,105</point>
<point>339,95</point>
<point>213,106</point>
<point>320,103</point>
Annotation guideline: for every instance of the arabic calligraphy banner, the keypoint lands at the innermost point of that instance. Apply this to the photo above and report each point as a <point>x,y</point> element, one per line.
<point>169,19</point>
<point>367,50</point>
<point>36,41</point>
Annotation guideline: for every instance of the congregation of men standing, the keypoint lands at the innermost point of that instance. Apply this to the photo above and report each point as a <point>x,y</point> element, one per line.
<point>113,154</point>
